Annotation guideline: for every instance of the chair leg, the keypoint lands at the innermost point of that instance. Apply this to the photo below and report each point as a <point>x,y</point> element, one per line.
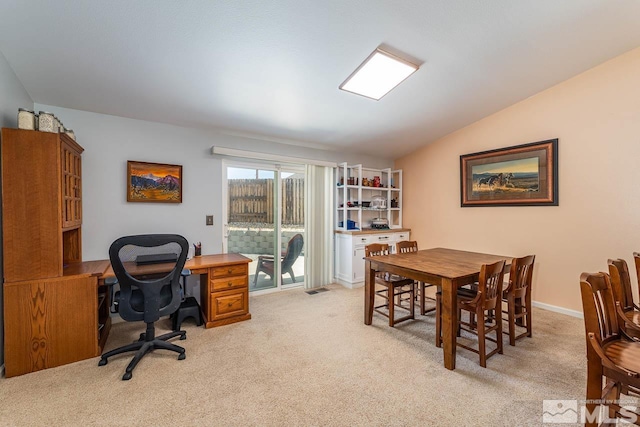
<point>412,304</point>
<point>390,296</point>
<point>146,347</point>
<point>527,316</point>
<point>168,346</point>
<point>438,320</point>
<point>293,277</point>
<point>511,307</point>
<point>594,387</point>
<point>255,278</point>
<point>169,335</point>
<point>498,320</point>
<point>481,339</point>
<point>129,347</point>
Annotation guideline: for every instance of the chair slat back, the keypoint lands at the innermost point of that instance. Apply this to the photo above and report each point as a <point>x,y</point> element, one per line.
<point>636,259</point>
<point>406,246</point>
<point>375,249</point>
<point>599,308</point>
<point>490,284</point>
<point>520,275</point>
<point>621,283</point>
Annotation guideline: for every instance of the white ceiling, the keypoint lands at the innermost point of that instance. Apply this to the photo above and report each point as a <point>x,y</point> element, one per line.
<point>273,68</point>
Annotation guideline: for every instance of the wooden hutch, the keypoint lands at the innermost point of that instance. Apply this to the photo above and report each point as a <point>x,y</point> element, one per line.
<point>54,311</point>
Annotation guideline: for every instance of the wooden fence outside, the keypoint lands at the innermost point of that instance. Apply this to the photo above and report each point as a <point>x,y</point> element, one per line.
<point>251,201</point>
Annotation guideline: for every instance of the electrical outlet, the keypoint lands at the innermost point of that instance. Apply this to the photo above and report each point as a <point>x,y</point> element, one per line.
<point>209,219</point>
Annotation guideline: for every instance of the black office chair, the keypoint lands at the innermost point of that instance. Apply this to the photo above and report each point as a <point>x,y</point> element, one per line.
<point>147,299</point>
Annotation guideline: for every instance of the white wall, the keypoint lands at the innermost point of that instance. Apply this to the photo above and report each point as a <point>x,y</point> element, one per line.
<point>110,141</point>
<point>12,96</point>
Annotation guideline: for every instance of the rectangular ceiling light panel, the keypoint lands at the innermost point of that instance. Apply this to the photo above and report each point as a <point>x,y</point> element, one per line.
<point>378,74</point>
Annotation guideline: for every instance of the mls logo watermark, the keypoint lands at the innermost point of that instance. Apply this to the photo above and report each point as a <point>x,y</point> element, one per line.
<point>575,411</point>
<point>560,411</point>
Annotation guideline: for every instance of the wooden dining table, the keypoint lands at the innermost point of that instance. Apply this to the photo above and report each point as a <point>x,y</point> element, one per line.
<point>448,269</point>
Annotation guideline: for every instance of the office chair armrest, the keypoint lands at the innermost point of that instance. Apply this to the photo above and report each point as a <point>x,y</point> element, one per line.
<point>111,281</point>
<point>265,258</point>
<point>185,272</point>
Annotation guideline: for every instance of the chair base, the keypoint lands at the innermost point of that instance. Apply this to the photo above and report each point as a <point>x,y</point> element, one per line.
<point>143,347</point>
<point>188,308</point>
<point>390,293</point>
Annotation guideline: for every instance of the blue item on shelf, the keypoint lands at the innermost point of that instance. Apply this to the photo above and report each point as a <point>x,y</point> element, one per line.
<point>351,225</point>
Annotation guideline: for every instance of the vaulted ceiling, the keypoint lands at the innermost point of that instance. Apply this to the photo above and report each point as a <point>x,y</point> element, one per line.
<point>272,68</point>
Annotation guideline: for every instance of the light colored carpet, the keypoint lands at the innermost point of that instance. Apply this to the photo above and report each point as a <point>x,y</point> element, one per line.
<point>308,360</point>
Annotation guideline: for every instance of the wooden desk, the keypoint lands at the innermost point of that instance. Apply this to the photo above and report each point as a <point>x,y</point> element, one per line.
<point>446,268</point>
<point>224,285</point>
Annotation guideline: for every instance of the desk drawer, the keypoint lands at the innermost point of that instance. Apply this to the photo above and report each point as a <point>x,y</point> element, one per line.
<point>229,270</point>
<point>228,283</point>
<point>229,303</point>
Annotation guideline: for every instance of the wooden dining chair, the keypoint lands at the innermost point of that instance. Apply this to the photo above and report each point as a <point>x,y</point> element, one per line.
<point>611,354</point>
<point>621,287</point>
<point>408,246</point>
<point>394,287</point>
<point>484,306</point>
<point>636,259</point>
<point>518,297</point>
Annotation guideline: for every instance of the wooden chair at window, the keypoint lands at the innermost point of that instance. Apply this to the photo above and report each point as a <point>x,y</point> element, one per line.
<point>518,297</point>
<point>482,306</point>
<point>621,286</point>
<point>393,287</point>
<point>611,353</point>
<point>407,246</point>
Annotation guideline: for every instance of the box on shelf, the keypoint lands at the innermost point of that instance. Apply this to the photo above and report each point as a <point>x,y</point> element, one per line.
<point>351,225</point>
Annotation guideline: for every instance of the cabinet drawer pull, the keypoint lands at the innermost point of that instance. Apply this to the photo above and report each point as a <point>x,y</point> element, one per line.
<point>230,304</point>
<point>229,271</point>
<point>383,238</point>
<point>230,284</point>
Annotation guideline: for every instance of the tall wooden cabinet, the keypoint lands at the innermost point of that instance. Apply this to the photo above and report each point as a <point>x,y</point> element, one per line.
<point>51,298</point>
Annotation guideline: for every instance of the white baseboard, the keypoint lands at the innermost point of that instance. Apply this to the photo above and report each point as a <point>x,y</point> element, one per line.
<point>561,310</point>
<point>348,284</point>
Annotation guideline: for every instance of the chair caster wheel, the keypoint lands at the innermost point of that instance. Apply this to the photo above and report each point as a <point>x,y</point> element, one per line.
<point>127,376</point>
<point>182,356</point>
<point>102,362</point>
<point>183,337</point>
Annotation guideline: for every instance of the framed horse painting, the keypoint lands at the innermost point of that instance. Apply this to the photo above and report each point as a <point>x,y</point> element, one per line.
<point>522,175</point>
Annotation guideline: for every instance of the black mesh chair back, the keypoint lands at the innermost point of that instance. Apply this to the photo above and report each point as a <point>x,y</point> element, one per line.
<point>155,297</point>
<point>143,294</point>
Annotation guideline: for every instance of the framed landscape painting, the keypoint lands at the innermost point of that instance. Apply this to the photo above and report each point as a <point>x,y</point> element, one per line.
<point>154,182</point>
<point>522,175</point>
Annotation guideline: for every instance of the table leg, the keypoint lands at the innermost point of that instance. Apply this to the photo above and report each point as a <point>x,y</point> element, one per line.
<point>449,323</point>
<point>369,292</point>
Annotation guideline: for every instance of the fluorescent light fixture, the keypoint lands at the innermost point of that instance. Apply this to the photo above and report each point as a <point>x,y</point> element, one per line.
<point>378,74</point>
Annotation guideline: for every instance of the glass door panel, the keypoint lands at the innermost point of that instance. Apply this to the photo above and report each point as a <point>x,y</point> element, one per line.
<point>251,223</point>
<point>292,227</point>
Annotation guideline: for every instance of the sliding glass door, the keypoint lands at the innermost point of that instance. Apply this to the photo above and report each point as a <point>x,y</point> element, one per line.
<point>265,222</point>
